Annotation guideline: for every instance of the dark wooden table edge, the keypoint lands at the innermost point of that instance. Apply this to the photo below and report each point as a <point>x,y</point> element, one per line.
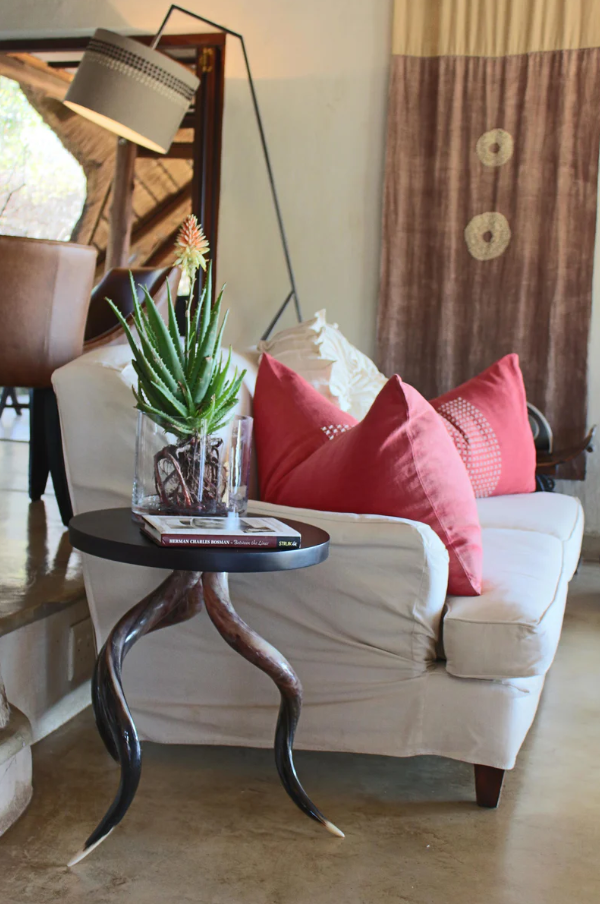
<point>150,555</point>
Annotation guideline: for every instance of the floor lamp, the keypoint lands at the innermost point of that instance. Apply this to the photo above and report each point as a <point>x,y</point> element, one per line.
<point>142,96</point>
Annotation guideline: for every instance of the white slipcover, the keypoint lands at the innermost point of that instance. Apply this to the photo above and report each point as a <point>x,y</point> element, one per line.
<point>531,546</point>
<point>544,513</point>
<point>361,629</point>
<point>512,629</point>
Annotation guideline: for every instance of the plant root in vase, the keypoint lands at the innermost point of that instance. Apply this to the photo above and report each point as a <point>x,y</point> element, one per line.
<point>190,476</point>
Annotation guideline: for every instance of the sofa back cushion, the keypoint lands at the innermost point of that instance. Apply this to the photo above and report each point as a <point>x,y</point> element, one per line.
<point>320,353</point>
<point>487,419</point>
<point>397,461</point>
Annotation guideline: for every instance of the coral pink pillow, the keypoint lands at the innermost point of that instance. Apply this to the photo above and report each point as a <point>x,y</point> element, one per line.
<point>398,461</point>
<point>487,419</point>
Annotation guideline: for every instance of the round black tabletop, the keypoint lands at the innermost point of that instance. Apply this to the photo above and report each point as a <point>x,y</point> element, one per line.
<point>113,534</point>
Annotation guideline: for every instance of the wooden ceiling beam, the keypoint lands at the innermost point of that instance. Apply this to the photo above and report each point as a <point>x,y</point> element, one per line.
<point>182,150</point>
<point>32,72</point>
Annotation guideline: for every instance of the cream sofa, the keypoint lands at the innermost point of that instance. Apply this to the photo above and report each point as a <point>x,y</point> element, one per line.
<point>390,665</point>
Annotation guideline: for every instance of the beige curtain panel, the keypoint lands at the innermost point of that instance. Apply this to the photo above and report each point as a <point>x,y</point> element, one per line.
<point>490,197</point>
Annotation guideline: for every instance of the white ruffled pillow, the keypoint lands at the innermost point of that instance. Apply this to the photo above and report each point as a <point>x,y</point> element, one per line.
<point>318,352</point>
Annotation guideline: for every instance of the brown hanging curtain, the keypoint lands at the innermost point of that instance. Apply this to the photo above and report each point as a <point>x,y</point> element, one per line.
<point>490,197</point>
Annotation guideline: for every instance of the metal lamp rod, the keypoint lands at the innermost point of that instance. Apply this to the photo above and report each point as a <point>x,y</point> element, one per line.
<point>293,294</point>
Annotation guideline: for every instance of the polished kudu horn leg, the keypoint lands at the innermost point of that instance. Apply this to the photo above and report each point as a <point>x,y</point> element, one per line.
<point>260,653</point>
<point>177,599</point>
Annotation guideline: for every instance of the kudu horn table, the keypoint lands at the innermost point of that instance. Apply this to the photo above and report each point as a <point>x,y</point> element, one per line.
<point>199,577</point>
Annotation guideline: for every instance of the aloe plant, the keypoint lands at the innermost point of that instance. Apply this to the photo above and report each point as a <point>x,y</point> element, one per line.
<point>185,384</point>
<point>185,387</point>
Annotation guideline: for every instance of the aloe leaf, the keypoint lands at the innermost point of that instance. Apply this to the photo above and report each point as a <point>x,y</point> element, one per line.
<point>223,416</point>
<point>139,316</point>
<point>153,359</point>
<point>206,306</point>
<point>125,326</point>
<point>219,378</point>
<point>196,346</point>
<point>210,411</point>
<point>188,399</point>
<point>208,342</point>
<point>205,414</point>
<point>170,401</point>
<point>159,394</point>
<point>217,347</point>
<point>173,328</point>
<point>215,427</point>
<point>174,425</point>
<point>202,310</point>
<point>145,357</point>
<point>206,348</point>
<point>154,377</point>
<point>203,380</point>
<point>198,311</point>
<point>168,353</point>
<point>232,388</point>
<point>224,409</point>
<point>145,384</point>
<point>223,388</point>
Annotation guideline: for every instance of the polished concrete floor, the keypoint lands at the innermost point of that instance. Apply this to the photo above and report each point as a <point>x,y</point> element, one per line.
<point>40,573</point>
<point>214,825</point>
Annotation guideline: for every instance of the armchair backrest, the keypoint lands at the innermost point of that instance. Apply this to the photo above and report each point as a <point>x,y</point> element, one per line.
<point>102,327</point>
<point>44,296</point>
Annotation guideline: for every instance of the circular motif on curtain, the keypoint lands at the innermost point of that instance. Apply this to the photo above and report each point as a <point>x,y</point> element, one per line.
<point>487,235</point>
<point>495,147</point>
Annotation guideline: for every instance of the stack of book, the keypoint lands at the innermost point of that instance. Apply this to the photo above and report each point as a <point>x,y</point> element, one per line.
<point>207,530</point>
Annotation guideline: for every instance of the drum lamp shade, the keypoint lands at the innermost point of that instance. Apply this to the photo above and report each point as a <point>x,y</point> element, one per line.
<point>132,90</point>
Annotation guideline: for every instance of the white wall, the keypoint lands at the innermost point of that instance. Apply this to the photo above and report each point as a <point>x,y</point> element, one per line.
<point>321,68</point>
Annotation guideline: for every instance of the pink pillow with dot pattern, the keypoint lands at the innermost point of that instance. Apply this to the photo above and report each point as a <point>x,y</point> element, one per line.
<point>488,422</point>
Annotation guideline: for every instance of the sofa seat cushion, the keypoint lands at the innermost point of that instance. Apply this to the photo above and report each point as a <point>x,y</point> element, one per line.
<point>554,514</point>
<point>512,629</point>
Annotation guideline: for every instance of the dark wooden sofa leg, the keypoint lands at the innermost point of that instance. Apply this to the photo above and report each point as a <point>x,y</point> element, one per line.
<point>46,453</point>
<point>56,458</point>
<point>39,464</point>
<point>488,785</point>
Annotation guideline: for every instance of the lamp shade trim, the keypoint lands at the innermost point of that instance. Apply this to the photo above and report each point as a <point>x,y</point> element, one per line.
<point>134,66</point>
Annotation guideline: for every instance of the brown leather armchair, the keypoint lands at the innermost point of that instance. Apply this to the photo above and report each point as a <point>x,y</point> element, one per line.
<point>102,327</point>
<point>44,297</point>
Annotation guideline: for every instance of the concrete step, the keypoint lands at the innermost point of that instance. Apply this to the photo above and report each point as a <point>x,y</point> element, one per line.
<point>15,768</point>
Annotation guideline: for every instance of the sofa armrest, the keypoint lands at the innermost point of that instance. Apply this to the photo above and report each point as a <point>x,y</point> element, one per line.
<point>385,581</point>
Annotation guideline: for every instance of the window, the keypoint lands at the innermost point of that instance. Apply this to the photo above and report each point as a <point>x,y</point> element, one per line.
<point>42,186</point>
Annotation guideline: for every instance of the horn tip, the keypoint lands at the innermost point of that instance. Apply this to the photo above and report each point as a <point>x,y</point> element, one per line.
<point>85,850</point>
<point>333,829</point>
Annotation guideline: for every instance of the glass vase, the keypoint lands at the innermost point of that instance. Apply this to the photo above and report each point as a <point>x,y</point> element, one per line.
<point>202,474</point>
